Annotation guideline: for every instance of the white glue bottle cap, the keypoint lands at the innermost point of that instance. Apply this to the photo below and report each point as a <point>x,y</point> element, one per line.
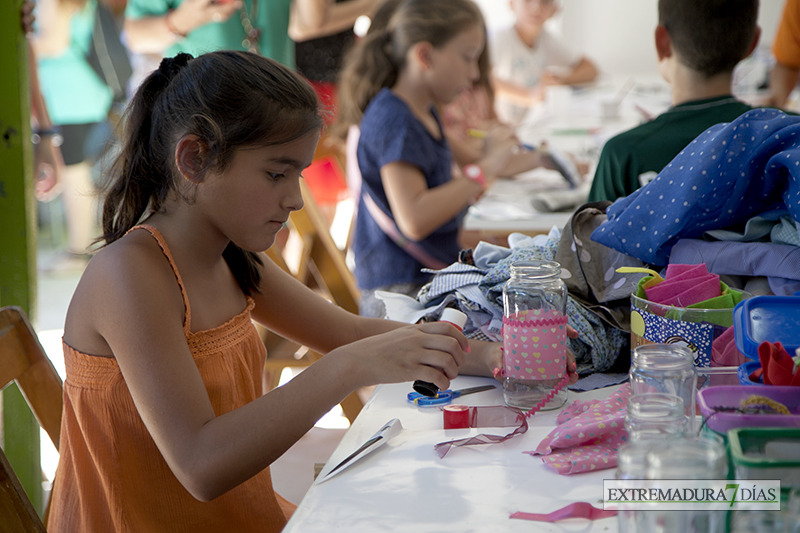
<point>455,317</point>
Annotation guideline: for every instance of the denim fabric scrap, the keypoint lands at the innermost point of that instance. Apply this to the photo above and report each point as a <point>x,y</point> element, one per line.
<point>451,279</point>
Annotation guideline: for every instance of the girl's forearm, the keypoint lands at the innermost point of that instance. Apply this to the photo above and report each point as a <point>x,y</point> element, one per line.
<point>264,429</point>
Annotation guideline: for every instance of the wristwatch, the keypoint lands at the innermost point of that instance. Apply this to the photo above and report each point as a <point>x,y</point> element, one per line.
<point>475,173</point>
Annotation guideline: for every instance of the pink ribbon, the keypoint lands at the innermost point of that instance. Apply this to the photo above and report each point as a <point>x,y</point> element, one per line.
<point>573,510</point>
<point>488,416</point>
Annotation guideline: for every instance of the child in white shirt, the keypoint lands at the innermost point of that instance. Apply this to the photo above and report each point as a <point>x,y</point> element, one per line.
<point>523,56</point>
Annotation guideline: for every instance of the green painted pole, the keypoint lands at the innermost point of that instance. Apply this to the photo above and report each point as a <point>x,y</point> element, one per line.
<point>17,236</point>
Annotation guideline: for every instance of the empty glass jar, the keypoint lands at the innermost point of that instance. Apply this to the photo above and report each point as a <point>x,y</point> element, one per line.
<point>665,368</point>
<point>687,459</point>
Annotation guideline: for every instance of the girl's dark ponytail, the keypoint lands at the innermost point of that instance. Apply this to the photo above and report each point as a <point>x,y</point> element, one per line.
<point>369,68</point>
<point>139,181</point>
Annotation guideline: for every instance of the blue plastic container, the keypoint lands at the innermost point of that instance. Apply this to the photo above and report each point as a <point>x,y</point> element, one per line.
<point>765,318</point>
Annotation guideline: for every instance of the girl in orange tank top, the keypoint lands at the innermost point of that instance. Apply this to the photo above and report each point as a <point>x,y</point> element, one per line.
<point>165,427</point>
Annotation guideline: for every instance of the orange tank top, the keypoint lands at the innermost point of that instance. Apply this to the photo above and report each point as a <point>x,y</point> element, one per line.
<point>112,477</point>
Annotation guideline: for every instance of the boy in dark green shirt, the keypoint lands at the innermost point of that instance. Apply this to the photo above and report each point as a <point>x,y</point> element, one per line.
<point>698,45</point>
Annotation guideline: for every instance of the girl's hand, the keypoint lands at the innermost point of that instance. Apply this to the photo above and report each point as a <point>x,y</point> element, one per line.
<point>48,166</point>
<point>431,352</point>
<point>501,143</point>
<point>572,366</point>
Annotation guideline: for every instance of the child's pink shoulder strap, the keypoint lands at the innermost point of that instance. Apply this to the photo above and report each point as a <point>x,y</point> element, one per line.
<point>187,319</point>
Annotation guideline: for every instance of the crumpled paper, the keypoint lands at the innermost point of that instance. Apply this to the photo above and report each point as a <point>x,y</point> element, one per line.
<point>588,435</point>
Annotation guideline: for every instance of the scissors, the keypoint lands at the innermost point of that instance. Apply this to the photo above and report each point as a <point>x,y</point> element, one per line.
<point>444,397</point>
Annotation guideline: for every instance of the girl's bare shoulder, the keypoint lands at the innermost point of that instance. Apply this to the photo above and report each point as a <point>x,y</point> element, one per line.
<point>122,279</point>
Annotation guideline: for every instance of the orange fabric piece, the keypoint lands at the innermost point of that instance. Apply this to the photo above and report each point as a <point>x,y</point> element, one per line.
<point>786,47</point>
<point>111,475</point>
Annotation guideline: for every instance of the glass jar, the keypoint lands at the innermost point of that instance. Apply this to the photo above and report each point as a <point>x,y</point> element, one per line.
<point>632,464</point>
<point>655,416</point>
<point>665,368</point>
<point>535,336</point>
<point>687,459</point>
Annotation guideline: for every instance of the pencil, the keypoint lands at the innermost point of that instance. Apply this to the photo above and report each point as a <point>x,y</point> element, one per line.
<point>481,134</point>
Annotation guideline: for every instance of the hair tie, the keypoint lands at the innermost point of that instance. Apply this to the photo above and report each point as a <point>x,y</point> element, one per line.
<point>170,66</point>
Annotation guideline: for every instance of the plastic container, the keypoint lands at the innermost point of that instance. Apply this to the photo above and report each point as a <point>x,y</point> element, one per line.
<point>745,370</point>
<point>695,329</point>
<point>767,318</point>
<point>766,453</point>
<point>535,336</point>
<point>721,421</point>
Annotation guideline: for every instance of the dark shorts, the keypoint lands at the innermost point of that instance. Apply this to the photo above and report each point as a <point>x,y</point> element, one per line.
<point>84,142</point>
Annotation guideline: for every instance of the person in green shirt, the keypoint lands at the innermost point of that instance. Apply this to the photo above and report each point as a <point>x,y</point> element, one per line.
<point>698,45</point>
<point>167,27</point>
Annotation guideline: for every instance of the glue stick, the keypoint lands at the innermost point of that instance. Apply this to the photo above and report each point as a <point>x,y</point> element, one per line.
<point>457,319</point>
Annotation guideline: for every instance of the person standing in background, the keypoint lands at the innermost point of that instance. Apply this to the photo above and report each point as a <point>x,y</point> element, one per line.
<point>48,164</point>
<point>78,102</point>
<point>786,49</point>
<point>167,27</point>
<point>323,36</point>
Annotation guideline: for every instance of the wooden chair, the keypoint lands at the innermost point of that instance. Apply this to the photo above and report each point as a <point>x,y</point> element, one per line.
<point>17,514</point>
<point>321,266</point>
<point>22,359</point>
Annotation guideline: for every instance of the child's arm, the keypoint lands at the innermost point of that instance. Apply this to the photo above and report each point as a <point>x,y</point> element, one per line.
<point>154,34</point>
<point>583,72</point>
<point>517,94</point>
<point>471,150</point>
<point>129,301</point>
<point>418,210</point>
<point>317,18</point>
<point>314,322</point>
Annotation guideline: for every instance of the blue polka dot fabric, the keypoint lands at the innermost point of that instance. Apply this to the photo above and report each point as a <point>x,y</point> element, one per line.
<point>726,176</point>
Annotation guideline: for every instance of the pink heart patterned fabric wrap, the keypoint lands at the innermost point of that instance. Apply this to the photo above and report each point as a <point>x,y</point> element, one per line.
<point>535,345</point>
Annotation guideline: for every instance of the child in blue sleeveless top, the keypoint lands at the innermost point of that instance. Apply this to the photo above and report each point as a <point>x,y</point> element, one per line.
<point>413,199</point>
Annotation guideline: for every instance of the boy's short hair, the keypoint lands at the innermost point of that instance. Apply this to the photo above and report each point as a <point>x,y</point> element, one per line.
<point>709,36</point>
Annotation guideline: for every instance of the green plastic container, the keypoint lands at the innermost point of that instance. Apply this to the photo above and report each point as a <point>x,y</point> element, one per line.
<point>766,453</point>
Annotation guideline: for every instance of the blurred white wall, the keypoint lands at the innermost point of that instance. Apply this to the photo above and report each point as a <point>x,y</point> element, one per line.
<point>618,34</point>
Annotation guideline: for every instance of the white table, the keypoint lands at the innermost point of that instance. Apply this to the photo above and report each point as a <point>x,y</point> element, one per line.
<point>404,485</point>
<point>578,127</point>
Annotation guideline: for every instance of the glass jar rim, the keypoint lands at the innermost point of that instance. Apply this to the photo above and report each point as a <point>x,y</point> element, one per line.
<point>536,268</point>
<point>662,356</point>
